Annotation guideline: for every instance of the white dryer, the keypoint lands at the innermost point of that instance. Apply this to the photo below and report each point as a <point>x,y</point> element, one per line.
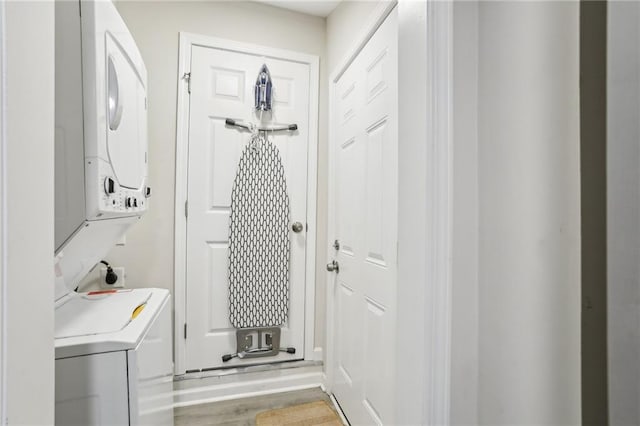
<point>101,159</point>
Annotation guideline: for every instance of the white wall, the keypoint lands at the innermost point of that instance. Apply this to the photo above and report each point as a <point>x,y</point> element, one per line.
<point>529,213</point>
<point>413,349</point>
<point>3,203</point>
<point>623,211</point>
<point>28,208</point>
<point>465,227</point>
<point>344,25</point>
<point>148,255</point>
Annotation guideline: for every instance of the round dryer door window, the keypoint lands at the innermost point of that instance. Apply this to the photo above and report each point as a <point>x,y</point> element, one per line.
<point>126,118</point>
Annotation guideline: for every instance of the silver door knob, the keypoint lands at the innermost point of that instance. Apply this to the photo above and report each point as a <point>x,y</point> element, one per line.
<point>297,227</point>
<point>333,266</point>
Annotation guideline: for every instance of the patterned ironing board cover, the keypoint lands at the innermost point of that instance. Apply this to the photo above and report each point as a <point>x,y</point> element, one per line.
<point>259,244</point>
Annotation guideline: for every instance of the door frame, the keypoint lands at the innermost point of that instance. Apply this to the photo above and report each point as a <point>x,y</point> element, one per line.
<point>187,41</point>
<point>425,48</point>
<point>3,215</point>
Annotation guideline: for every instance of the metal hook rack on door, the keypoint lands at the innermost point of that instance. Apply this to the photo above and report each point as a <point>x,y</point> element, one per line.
<point>252,127</point>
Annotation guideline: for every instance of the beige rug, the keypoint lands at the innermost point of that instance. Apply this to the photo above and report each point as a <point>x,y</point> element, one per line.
<point>310,414</point>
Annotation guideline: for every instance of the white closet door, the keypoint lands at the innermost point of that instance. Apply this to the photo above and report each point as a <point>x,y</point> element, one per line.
<point>222,84</point>
<point>365,165</point>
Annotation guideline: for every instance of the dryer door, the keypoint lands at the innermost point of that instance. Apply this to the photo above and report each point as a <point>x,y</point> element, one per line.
<point>126,117</point>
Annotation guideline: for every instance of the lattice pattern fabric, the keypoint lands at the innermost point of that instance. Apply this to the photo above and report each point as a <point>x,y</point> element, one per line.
<point>259,245</point>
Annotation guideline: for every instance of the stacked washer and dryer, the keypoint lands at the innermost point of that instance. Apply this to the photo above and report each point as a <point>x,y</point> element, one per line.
<point>113,348</point>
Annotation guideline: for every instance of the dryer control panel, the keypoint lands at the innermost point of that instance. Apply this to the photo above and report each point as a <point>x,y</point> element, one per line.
<point>122,199</point>
<point>118,199</point>
<point>108,197</point>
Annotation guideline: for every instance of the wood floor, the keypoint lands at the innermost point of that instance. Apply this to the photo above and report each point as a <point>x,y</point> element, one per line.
<point>243,411</point>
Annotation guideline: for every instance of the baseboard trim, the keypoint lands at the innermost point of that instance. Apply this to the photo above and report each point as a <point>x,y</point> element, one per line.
<point>214,389</point>
<point>318,354</point>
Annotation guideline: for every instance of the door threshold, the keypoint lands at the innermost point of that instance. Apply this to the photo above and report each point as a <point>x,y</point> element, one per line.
<point>235,383</point>
<point>255,368</point>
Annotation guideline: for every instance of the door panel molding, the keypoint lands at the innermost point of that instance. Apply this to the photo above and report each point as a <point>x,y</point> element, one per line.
<point>187,41</point>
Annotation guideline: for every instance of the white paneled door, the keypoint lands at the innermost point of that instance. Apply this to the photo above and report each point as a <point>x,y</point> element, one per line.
<point>222,86</point>
<point>364,163</point>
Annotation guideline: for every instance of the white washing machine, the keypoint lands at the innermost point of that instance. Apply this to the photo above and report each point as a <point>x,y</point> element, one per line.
<point>113,349</point>
<point>114,358</point>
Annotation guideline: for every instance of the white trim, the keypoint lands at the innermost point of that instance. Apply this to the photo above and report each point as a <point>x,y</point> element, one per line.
<point>323,384</point>
<point>180,221</point>
<point>437,329</point>
<point>3,222</point>
<point>187,40</point>
<point>425,211</point>
<point>318,354</point>
<point>312,210</point>
<point>376,19</point>
<point>262,384</point>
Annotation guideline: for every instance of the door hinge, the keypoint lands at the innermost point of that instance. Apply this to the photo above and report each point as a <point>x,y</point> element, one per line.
<point>185,330</point>
<point>187,77</point>
<point>186,209</point>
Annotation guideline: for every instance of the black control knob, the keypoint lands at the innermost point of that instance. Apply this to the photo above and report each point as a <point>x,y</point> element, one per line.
<point>135,202</point>
<point>129,202</point>
<point>109,186</point>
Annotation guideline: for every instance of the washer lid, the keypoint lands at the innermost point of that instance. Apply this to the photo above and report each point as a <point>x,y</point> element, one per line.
<point>84,249</point>
<point>96,313</point>
<point>91,323</point>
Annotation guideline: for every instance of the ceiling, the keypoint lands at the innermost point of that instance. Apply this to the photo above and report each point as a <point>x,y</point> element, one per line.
<point>311,7</point>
